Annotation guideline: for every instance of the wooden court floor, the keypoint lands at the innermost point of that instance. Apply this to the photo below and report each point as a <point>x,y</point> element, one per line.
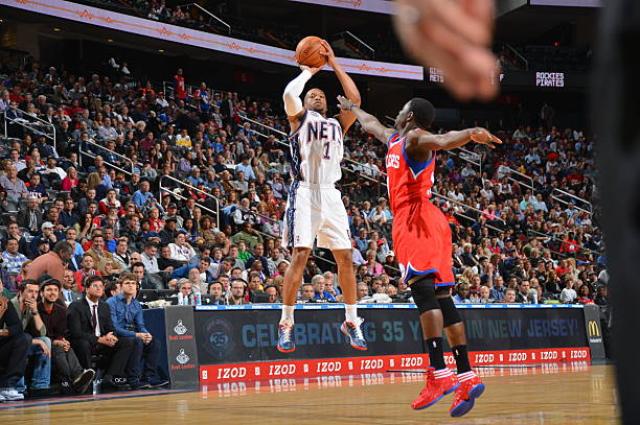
<point>555,394</point>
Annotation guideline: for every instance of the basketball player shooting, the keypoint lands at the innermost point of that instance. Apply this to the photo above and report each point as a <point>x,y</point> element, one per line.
<point>422,241</point>
<point>315,207</point>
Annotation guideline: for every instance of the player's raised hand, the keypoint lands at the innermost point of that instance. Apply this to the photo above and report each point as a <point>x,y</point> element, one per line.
<point>454,36</point>
<point>313,71</point>
<point>328,52</point>
<point>482,136</point>
<point>345,104</point>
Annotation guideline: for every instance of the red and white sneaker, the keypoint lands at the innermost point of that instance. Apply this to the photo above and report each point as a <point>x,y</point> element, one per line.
<point>471,387</point>
<point>438,384</point>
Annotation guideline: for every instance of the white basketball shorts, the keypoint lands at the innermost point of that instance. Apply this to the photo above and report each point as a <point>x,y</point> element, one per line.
<point>315,211</point>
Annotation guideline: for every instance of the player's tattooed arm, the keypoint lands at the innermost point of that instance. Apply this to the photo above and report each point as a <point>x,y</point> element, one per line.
<point>420,143</point>
<point>369,123</point>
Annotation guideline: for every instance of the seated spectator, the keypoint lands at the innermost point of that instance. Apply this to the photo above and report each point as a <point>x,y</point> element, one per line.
<point>216,292</point>
<point>68,216</point>
<point>88,269</point>
<point>237,294</point>
<point>181,251</point>
<point>69,292</point>
<point>26,306</point>
<point>308,293</point>
<point>91,331</point>
<point>14,348</point>
<point>31,216</point>
<point>525,295</point>
<point>47,236</point>
<point>15,188</point>
<point>126,315</point>
<point>568,294</point>
<point>318,286</point>
<point>12,261</point>
<point>37,188</point>
<point>462,294</point>
<point>100,254</point>
<point>374,268</point>
<point>273,294</point>
<point>584,294</point>
<point>71,180</point>
<point>510,296</point>
<point>67,368</point>
<point>110,201</point>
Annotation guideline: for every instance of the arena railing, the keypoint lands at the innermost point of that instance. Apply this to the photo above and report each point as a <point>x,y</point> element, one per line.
<point>466,206</point>
<point>524,180</point>
<point>182,185</point>
<point>93,154</point>
<point>559,195</point>
<point>34,127</point>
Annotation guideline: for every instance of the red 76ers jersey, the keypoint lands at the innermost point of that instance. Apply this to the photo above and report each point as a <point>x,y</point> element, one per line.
<point>408,181</point>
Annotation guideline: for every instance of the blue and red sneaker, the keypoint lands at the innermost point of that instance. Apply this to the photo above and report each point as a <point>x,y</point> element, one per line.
<point>353,331</point>
<point>471,387</point>
<point>286,343</point>
<point>438,384</point>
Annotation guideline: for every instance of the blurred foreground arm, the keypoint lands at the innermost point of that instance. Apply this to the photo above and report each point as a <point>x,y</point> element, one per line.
<point>454,36</point>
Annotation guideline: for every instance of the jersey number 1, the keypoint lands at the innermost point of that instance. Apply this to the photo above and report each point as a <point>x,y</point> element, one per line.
<point>326,150</point>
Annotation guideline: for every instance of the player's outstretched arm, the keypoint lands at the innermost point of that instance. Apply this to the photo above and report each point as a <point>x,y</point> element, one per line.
<point>291,96</point>
<point>351,92</point>
<point>369,123</point>
<point>420,143</point>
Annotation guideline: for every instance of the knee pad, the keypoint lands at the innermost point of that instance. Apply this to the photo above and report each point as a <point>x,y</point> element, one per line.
<point>450,314</point>
<point>424,295</point>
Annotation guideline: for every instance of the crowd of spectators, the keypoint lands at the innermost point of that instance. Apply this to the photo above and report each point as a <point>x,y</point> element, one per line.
<point>110,189</point>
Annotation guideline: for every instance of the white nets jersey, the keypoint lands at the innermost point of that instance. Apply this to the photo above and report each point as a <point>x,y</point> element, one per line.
<point>317,150</point>
<point>314,208</point>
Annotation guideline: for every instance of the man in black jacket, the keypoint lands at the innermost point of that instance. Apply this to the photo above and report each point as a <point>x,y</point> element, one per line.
<point>92,332</point>
<point>14,345</point>
<point>65,362</point>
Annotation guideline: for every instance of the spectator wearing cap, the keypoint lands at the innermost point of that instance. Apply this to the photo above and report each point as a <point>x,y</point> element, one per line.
<point>67,368</point>
<point>47,236</point>
<point>12,261</point>
<point>172,213</point>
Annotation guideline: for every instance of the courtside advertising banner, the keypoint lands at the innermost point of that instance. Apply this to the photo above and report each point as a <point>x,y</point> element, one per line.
<point>240,343</point>
<point>182,354</point>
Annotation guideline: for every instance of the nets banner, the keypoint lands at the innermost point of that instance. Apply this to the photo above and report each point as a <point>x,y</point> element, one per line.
<point>187,36</point>
<point>240,335</point>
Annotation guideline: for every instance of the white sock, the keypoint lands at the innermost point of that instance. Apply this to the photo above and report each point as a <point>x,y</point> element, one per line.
<point>287,314</point>
<point>351,312</point>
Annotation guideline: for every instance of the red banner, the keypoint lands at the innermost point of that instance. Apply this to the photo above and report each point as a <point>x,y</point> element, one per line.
<point>355,365</point>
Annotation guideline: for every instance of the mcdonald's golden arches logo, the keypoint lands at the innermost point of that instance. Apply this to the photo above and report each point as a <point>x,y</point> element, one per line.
<point>594,329</point>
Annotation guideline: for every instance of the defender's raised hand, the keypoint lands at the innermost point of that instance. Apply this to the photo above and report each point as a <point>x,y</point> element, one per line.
<point>483,137</point>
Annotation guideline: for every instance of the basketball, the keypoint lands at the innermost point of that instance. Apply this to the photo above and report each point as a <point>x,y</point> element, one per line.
<point>308,52</point>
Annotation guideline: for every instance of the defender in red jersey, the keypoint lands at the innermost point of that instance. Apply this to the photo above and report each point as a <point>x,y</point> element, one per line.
<point>422,242</point>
